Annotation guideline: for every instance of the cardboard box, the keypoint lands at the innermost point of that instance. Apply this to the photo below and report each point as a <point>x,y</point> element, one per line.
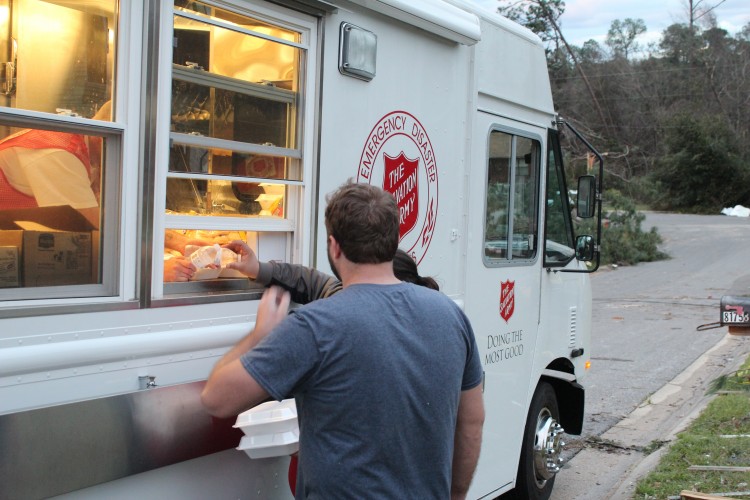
<point>11,243</point>
<point>9,275</point>
<point>55,245</point>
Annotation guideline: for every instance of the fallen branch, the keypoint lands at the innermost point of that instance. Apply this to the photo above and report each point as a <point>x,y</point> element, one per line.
<point>722,468</point>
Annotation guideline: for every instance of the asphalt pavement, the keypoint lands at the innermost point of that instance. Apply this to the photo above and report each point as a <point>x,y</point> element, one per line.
<point>651,367</point>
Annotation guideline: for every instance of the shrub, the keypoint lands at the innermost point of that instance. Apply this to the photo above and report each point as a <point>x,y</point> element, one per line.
<point>623,240</point>
<point>703,170</point>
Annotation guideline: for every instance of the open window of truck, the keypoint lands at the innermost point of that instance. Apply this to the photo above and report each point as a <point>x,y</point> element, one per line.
<point>238,157</point>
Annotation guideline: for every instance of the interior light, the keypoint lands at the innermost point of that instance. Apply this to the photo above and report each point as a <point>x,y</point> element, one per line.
<point>357,52</point>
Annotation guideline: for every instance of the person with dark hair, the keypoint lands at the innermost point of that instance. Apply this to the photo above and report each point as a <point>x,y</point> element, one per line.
<point>386,375</point>
<point>405,269</point>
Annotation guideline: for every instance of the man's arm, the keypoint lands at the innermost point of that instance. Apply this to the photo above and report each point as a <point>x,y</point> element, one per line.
<point>230,389</point>
<point>304,283</point>
<point>467,441</point>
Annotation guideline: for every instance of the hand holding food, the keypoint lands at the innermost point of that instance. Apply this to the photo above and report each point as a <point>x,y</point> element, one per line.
<point>247,262</point>
<point>178,269</point>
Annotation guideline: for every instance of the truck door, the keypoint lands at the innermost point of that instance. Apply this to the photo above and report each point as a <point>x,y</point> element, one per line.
<point>503,280</point>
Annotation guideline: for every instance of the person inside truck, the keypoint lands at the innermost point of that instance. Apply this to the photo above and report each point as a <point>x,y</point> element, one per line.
<point>45,168</point>
<point>386,375</point>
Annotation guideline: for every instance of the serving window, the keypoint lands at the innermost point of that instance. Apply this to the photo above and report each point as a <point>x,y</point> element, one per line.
<point>235,156</point>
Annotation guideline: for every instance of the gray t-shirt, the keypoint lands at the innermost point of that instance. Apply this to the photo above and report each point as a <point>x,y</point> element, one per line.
<point>377,372</point>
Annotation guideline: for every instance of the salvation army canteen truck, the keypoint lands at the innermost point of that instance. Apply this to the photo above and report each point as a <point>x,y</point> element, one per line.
<point>138,135</point>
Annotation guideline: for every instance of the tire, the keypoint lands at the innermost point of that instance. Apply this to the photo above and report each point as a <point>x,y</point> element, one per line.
<point>542,445</point>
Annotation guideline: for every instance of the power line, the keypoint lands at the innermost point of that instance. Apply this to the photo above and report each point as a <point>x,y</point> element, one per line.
<point>639,97</point>
<point>636,72</point>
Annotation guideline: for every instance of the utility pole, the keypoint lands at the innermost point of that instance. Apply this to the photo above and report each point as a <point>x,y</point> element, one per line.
<point>578,66</point>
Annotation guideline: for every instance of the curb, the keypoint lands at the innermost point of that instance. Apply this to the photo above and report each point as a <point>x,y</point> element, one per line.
<point>665,413</point>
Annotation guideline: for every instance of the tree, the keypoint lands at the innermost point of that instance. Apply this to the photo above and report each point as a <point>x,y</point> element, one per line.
<point>703,169</point>
<point>637,112</point>
<point>543,15</point>
<point>744,34</point>
<point>540,16</point>
<point>622,34</point>
<point>698,11</point>
<point>591,52</point>
<point>677,42</point>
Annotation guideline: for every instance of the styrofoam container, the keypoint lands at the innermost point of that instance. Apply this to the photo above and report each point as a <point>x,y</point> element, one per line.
<point>269,418</point>
<point>270,445</point>
<point>230,273</point>
<point>206,273</point>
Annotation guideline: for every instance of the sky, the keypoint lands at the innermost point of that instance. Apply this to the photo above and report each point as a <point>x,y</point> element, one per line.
<point>590,19</point>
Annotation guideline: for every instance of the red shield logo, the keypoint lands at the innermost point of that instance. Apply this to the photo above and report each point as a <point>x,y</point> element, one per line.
<point>507,299</point>
<point>401,180</point>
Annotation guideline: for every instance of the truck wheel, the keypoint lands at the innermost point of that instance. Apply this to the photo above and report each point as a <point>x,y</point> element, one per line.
<point>542,446</point>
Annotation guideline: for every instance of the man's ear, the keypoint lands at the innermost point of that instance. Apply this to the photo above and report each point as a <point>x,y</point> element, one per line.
<point>334,247</point>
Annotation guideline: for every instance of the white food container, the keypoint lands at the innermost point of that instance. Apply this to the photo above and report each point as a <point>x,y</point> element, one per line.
<point>270,445</point>
<point>271,429</point>
<point>268,418</point>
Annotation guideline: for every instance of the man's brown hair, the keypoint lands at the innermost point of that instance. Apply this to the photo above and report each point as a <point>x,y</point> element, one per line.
<point>364,221</point>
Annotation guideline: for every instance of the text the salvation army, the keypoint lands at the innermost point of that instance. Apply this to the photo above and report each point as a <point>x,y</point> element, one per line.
<point>405,192</point>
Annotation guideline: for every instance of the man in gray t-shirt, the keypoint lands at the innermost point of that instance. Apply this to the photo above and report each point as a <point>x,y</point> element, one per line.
<point>386,374</point>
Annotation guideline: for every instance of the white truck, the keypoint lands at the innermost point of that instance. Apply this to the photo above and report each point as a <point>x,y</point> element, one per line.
<point>139,130</point>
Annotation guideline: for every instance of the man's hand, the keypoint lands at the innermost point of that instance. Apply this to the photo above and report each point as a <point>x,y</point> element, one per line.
<point>272,309</point>
<point>248,263</point>
<point>230,389</point>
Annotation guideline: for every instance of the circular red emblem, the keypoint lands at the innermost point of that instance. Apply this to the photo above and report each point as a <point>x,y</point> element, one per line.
<point>398,155</point>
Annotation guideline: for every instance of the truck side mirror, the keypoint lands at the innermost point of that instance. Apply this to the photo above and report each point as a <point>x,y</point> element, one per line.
<point>585,203</point>
<point>585,248</point>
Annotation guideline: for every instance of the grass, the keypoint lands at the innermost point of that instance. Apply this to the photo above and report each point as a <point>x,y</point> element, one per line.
<point>702,444</point>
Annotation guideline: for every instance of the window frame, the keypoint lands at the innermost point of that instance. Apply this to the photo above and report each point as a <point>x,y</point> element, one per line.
<point>509,259</point>
<point>554,147</point>
<point>154,291</point>
<point>114,292</point>
<point>138,142</point>
<point>109,209</point>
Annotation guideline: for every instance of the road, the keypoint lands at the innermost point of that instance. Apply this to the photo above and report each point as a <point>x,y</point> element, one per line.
<point>644,335</point>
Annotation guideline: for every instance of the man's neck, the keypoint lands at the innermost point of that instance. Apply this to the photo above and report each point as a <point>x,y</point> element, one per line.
<point>372,274</point>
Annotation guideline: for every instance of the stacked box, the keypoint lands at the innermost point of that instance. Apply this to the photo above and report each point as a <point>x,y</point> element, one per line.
<point>53,247</point>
